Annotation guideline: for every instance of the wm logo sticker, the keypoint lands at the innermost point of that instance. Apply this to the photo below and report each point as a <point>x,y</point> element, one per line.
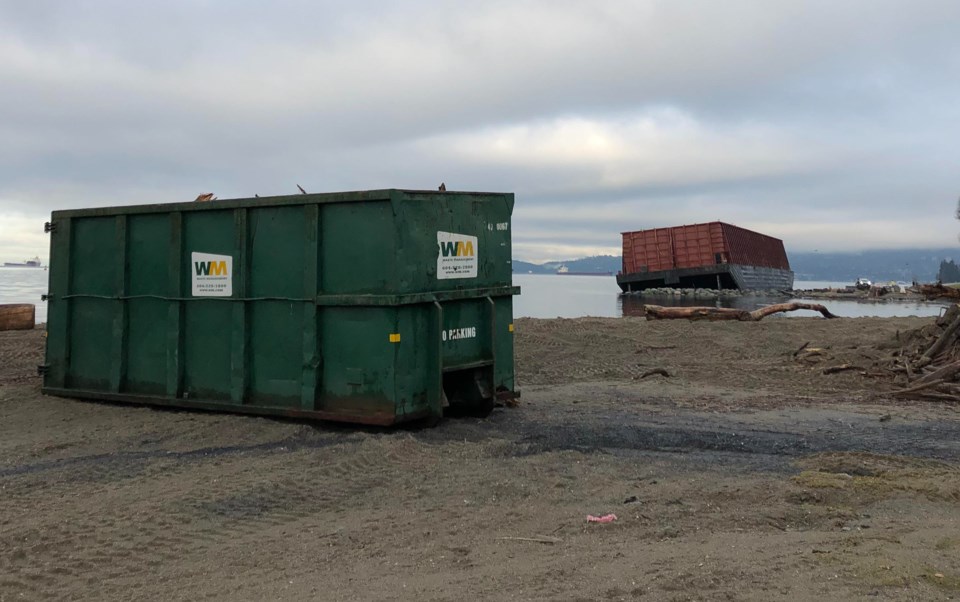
<point>456,256</point>
<point>456,249</point>
<point>212,275</point>
<point>210,268</point>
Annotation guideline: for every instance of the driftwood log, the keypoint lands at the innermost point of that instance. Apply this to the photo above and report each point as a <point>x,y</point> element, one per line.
<point>659,312</point>
<point>840,368</point>
<point>18,316</point>
<point>948,336</point>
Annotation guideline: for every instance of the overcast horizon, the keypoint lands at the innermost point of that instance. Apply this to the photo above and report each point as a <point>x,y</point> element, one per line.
<point>830,125</point>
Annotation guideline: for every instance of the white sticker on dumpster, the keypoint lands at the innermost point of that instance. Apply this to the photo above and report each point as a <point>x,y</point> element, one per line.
<point>455,334</point>
<point>212,275</point>
<point>456,256</point>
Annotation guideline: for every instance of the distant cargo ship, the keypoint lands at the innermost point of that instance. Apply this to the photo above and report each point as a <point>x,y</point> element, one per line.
<point>712,255</point>
<point>27,263</point>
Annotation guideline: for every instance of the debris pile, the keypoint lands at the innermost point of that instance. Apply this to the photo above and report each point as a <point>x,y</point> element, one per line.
<point>938,291</point>
<point>927,363</point>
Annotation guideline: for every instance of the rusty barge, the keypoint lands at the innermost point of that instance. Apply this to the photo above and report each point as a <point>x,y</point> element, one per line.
<point>712,255</point>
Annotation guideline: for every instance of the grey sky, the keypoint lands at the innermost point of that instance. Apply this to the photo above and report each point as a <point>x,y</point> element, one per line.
<point>833,125</point>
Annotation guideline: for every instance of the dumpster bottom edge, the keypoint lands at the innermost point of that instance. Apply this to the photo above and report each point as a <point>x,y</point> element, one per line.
<point>378,419</point>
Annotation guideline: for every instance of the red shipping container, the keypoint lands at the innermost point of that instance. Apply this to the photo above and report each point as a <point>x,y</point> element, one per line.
<point>700,245</point>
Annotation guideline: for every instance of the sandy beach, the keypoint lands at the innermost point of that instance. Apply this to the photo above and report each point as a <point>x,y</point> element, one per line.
<point>746,474</point>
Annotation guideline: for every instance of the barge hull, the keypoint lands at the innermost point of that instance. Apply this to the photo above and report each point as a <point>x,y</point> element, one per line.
<point>722,276</point>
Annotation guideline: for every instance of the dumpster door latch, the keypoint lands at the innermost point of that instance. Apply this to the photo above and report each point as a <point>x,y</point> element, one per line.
<point>49,227</point>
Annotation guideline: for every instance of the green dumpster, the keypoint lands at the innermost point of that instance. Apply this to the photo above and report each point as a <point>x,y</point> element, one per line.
<point>373,307</point>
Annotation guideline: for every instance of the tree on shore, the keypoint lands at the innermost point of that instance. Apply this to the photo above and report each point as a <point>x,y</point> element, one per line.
<point>949,271</point>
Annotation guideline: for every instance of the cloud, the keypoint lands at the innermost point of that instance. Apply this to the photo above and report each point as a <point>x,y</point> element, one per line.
<point>657,149</point>
<point>601,117</point>
<point>22,237</point>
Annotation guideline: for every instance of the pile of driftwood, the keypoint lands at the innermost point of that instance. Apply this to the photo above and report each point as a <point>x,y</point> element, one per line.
<point>659,312</point>
<point>928,362</point>
<point>938,291</point>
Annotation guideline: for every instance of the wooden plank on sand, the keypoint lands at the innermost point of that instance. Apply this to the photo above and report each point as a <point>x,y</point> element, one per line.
<point>17,316</point>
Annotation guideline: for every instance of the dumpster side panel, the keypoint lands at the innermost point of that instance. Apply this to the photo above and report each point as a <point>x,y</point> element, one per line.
<point>147,352</point>
<point>276,353</point>
<point>358,248</point>
<point>148,239</point>
<point>440,232</point>
<point>95,270</point>
<point>148,317</point>
<point>276,247</point>
<point>418,360</point>
<point>358,361</point>
<point>467,332</point>
<point>92,326</point>
<point>503,341</point>
<point>277,269</point>
<point>207,348</point>
<point>94,256</point>
<point>208,334</point>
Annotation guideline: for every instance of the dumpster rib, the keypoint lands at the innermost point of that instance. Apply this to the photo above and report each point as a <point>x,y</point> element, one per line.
<point>175,310</point>
<point>58,318</point>
<point>120,331</point>
<point>311,341</point>
<point>239,366</point>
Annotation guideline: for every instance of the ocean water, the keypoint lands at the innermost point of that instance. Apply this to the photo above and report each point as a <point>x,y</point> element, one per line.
<point>24,285</point>
<point>553,296</point>
<point>549,296</point>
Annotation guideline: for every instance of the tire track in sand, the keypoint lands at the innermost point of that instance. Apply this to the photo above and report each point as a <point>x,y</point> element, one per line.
<point>112,529</point>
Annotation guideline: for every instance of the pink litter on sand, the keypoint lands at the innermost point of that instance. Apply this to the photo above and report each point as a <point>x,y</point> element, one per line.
<point>606,518</point>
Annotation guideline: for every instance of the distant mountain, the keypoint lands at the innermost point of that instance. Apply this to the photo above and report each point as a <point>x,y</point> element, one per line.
<point>600,264</point>
<point>879,265</point>
<point>525,267</point>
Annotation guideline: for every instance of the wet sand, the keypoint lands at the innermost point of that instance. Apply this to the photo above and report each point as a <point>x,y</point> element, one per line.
<point>745,475</point>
